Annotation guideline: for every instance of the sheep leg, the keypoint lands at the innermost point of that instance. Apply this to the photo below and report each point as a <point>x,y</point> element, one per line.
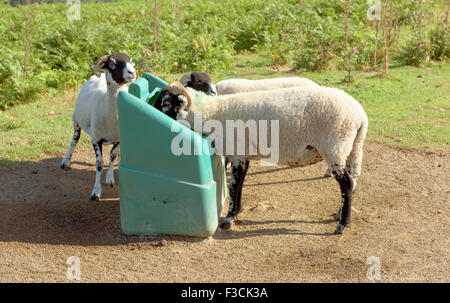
<point>346,185</point>
<point>227,163</point>
<point>237,180</point>
<point>97,191</point>
<point>76,136</point>
<point>112,157</point>
<point>239,200</point>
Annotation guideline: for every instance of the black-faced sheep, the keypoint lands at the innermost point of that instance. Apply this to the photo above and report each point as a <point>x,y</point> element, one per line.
<point>96,113</point>
<point>309,124</point>
<point>199,81</point>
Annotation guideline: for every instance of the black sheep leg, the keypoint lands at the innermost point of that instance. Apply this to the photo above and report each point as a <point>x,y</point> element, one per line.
<point>237,181</point>
<point>239,197</point>
<point>346,185</point>
<point>97,191</point>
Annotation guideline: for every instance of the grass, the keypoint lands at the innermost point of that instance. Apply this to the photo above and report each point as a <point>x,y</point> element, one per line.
<point>32,130</point>
<point>410,108</point>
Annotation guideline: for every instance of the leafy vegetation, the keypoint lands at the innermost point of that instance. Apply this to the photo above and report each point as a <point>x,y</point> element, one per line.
<point>177,36</point>
<point>409,109</point>
<point>241,38</point>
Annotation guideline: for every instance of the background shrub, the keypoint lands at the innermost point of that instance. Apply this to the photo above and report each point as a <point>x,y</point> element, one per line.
<point>197,35</point>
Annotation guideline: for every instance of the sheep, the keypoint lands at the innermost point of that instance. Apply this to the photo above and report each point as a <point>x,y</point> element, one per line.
<point>233,86</point>
<point>196,80</point>
<point>202,82</point>
<point>199,81</point>
<point>314,124</point>
<point>96,113</point>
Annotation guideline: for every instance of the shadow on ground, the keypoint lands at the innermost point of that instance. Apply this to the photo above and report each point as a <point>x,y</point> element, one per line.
<point>41,203</point>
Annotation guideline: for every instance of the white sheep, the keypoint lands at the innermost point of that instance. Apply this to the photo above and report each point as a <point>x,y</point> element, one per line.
<point>233,86</point>
<point>96,113</point>
<point>314,123</point>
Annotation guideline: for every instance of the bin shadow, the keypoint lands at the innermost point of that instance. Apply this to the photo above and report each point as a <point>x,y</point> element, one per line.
<point>42,203</point>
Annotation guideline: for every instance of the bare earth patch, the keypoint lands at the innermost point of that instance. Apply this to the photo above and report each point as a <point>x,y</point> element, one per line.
<point>283,235</point>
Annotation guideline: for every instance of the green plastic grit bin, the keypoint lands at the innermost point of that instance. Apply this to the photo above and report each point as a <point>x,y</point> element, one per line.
<point>161,193</point>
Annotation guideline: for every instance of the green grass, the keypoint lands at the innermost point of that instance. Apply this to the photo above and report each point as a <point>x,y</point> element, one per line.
<point>30,131</point>
<point>410,108</point>
<point>398,107</point>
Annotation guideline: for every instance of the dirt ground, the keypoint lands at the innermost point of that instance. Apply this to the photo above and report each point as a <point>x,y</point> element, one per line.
<point>401,215</point>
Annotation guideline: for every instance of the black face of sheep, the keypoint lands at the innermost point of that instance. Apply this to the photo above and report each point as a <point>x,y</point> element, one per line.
<point>172,101</point>
<point>120,68</point>
<point>199,81</point>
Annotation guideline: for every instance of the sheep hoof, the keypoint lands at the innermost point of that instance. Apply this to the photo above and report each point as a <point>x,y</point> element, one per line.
<point>109,181</point>
<point>339,229</point>
<point>109,184</point>
<point>95,197</point>
<point>65,165</point>
<point>226,225</point>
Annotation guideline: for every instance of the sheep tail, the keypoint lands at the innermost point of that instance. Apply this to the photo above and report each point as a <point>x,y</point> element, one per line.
<point>354,159</point>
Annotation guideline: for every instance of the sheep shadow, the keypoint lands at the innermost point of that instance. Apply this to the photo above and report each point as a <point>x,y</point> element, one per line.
<point>268,171</point>
<point>238,234</point>
<point>233,235</point>
<point>288,181</point>
<point>253,222</point>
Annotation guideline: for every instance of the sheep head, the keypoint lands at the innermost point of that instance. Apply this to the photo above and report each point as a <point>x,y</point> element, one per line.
<point>200,82</point>
<point>174,100</point>
<point>119,67</point>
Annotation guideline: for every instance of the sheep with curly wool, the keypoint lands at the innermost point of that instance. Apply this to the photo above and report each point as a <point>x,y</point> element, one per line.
<point>96,113</point>
<point>310,124</point>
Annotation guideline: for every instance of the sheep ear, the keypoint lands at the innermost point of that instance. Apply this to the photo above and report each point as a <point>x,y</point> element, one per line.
<point>186,79</point>
<point>212,90</point>
<point>100,64</point>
